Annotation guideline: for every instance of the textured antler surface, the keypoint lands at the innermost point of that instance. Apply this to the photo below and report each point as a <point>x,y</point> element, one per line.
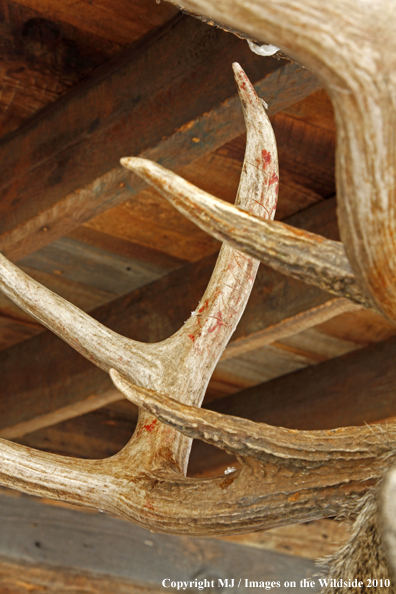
<point>286,475</point>
<point>294,252</point>
<point>388,516</point>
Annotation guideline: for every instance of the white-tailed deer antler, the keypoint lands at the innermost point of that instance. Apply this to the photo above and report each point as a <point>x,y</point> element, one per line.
<point>286,475</point>
<point>351,45</point>
<point>294,252</point>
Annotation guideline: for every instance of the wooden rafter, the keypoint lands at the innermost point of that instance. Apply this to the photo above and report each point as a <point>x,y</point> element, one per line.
<point>137,105</point>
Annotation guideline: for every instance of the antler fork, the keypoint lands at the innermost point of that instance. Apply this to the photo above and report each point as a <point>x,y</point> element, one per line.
<point>286,475</point>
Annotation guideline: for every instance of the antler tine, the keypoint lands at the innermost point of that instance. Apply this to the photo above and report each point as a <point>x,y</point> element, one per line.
<point>89,337</point>
<point>49,475</point>
<point>387,510</point>
<point>192,353</point>
<point>246,438</point>
<point>294,252</point>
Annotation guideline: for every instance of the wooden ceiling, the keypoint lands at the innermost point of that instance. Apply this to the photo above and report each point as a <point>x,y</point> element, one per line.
<point>83,84</point>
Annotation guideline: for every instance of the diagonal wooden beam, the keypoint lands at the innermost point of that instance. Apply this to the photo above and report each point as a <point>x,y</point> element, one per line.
<point>172,98</point>
<point>44,381</point>
<point>353,389</point>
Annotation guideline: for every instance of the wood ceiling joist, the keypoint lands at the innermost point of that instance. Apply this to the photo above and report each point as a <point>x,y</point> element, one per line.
<point>41,58</point>
<point>44,381</point>
<point>117,21</point>
<point>156,101</point>
<point>36,533</point>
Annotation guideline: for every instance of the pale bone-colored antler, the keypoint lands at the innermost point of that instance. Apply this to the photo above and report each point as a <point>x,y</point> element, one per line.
<point>351,45</point>
<point>144,482</point>
<point>184,362</point>
<point>294,252</point>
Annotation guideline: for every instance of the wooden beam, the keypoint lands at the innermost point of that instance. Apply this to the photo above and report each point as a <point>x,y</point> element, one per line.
<point>41,60</point>
<point>313,540</point>
<point>24,578</point>
<point>164,99</point>
<point>44,381</point>
<point>354,389</point>
<point>36,533</point>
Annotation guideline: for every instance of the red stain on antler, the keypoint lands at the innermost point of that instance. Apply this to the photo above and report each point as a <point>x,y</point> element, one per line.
<point>151,426</point>
<point>266,156</point>
<point>191,336</point>
<point>219,322</point>
<point>274,179</point>
<point>205,306</point>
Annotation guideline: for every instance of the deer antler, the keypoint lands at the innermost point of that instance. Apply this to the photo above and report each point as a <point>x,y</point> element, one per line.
<point>357,62</point>
<point>282,479</point>
<point>294,252</point>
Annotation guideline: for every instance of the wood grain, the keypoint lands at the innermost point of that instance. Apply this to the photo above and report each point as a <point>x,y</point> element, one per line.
<point>25,578</point>
<point>41,58</point>
<point>71,140</point>
<point>313,540</point>
<point>114,21</point>
<point>353,389</point>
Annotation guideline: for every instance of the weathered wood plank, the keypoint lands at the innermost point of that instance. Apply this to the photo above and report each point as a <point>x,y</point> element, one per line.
<point>116,21</point>
<point>42,534</point>
<point>313,540</point>
<point>40,59</point>
<point>25,578</point>
<point>97,434</point>
<point>101,270</point>
<point>45,381</point>
<point>60,169</point>
<point>353,389</point>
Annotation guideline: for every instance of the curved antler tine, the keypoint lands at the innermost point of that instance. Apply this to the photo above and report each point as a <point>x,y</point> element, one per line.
<point>294,252</point>
<point>205,335</point>
<point>90,338</point>
<point>246,438</point>
<point>192,353</point>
